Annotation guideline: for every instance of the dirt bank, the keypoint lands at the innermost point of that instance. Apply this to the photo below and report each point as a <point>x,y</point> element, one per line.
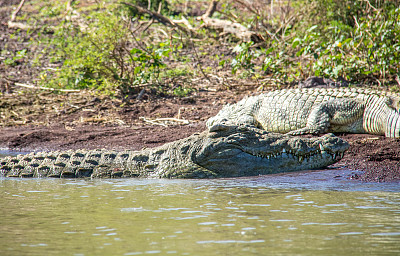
<point>46,121</point>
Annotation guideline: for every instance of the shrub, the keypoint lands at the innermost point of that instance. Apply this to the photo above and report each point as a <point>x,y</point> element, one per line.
<point>358,40</point>
<point>105,55</point>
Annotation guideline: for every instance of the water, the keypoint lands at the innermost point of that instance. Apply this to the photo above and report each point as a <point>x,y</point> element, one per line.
<point>6,152</point>
<point>308,213</point>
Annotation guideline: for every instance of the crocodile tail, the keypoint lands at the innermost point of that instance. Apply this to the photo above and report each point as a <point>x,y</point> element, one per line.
<point>393,124</point>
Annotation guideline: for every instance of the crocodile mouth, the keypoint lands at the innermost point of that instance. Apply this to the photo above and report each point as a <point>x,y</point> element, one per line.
<point>300,156</point>
<point>280,147</point>
<point>249,154</point>
<point>236,162</point>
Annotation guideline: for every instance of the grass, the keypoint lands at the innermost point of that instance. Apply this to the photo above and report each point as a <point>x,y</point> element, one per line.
<point>120,51</point>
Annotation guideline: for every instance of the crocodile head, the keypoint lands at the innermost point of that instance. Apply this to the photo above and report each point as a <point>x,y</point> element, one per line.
<point>234,151</point>
<point>239,113</point>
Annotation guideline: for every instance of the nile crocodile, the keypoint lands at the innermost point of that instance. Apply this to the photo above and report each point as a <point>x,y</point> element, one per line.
<point>233,152</point>
<point>316,110</point>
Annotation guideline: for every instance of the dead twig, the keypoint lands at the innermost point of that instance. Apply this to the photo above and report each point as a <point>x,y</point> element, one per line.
<point>397,80</point>
<point>212,7</point>
<point>184,21</point>
<point>164,121</point>
<point>161,18</point>
<point>14,14</point>
<point>227,26</point>
<point>250,8</point>
<point>45,88</point>
<point>19,25</point>
<point>199,62</point>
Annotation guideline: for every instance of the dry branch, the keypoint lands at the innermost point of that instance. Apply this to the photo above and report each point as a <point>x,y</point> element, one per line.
<point>71,15</point>
<point>14,14</point>
<point>185,22</point>
<point>164,121</point>
<point>250,8</point>
<point>234,28</point>
<point>45,88</point>
<point>212,7</point>
<point>75,17</point>
<point>18,25</point>
<point>228,27</point>
<point>164,20</point>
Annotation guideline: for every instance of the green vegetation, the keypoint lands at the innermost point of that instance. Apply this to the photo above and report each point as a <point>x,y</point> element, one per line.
<point>18,56</point>
<point>102,53</point>
<point>358,40</point>
<point>114,49</point>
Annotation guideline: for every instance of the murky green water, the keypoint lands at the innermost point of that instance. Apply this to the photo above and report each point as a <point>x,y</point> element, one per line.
<point>270,215</point>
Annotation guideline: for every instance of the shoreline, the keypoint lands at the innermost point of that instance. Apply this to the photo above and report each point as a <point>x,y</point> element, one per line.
<point>372,158</point>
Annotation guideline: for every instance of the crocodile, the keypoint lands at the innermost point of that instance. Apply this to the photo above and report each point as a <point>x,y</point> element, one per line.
<point>315,111</point>
<point>233,152</point>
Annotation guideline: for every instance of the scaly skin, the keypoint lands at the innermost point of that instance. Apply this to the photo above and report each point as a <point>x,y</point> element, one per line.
<point>315,110</point>
<point>232,152</point>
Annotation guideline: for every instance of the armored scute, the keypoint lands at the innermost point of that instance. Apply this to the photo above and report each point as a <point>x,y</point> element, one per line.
<point>316,110</point>
<point>232,152</point>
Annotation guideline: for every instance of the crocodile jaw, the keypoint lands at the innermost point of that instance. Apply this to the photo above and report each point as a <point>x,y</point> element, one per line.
<point>265,156</point>
<point>245,164</point>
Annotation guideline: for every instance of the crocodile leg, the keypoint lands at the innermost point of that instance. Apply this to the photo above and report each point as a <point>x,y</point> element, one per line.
<point>342,114</point>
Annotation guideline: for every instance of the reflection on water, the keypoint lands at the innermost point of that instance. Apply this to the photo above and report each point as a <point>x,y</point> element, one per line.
<point>246,216</point>
<point>7,152</point>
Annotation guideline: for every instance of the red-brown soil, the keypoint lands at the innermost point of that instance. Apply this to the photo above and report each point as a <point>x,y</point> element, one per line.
<point>53,124</point>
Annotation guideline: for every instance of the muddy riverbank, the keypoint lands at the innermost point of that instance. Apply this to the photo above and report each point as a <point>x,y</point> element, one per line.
<point>47,121</point>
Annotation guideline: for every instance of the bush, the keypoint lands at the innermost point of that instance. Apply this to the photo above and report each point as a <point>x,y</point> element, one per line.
<point>357,40</point>
<point>354,40</point>
<point>105,55</point>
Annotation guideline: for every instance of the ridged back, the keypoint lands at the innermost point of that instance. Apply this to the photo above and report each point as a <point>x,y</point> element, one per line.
<point>287,110</point>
